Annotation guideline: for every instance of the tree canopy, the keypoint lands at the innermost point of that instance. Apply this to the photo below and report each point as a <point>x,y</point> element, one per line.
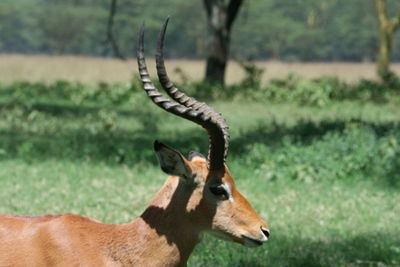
<point>291,30</point>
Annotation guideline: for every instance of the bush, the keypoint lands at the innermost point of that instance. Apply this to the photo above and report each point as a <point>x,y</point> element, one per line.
<point>321,91</point>
<point>70,120</point>
<point>390,79</point>
<point>356,152</point>
<point>293,88</point>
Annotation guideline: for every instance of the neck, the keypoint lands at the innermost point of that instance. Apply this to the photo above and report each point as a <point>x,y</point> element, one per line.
<point>164,235</point>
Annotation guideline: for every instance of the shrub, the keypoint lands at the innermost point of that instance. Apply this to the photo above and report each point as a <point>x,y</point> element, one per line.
<point>293,88</point>
<point>356,152</point>
<point>319,92</point>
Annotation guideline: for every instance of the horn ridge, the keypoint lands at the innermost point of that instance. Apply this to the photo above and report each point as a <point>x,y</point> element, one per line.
<point>152,91</point>
<point>185,107</point>
<point>215,148</point>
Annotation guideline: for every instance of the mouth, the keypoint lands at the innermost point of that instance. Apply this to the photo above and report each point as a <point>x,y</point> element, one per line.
<point>250,242</point>
<point>244,240</point>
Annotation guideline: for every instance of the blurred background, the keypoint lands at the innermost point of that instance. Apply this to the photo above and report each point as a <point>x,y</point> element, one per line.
<point>275,34</point>
<point>309,88</point>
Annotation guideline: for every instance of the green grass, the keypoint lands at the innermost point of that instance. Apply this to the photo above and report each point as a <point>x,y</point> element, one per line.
<point>317,224</point>
<point>327,179</point>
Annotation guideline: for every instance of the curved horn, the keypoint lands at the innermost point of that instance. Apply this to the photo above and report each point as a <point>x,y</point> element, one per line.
<point>219,136</point>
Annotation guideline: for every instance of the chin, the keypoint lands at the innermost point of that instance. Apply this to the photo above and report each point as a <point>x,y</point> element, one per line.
<point>243,240</point>
<point>251,243</point>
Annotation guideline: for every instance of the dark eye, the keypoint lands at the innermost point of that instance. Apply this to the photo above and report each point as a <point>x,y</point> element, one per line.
<point>219,191</point>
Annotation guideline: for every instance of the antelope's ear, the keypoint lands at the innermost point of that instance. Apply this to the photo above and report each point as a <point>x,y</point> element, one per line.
<point>171,161</point>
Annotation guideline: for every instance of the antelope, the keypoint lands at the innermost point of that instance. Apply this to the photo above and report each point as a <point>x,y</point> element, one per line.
<point>198,196</point>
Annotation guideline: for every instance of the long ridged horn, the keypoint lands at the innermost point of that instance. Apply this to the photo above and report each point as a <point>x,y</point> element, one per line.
<point>187,108</point>
<point>216,150</point>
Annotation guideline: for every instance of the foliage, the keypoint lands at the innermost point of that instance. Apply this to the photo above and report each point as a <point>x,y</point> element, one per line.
<point>286,30</point>
<point>390,79</point>
<point>98,120</point>
<point>303,91</point>
<point>251,82</point>
<point>355,151</point>
<point>72,92</point>
<point>326,179</point>
<point>317,92</point>
<point>295,89</point>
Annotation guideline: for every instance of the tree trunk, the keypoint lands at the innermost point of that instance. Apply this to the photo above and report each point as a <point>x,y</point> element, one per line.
<point>220,18</point>
<point>387,28</point>
<point>385,51</point>
<point>110,40</point>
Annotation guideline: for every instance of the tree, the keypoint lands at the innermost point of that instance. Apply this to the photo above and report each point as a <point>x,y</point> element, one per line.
<point>387,27</point>
<point>220,18</point>
<point>110,41</point>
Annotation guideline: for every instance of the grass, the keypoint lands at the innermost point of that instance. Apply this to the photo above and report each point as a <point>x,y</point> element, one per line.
<point>326,179</point>
<point>317,224</point>
<point>93,70</point>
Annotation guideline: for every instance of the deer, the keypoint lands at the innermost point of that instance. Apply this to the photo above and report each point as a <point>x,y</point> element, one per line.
<point>199,196</point>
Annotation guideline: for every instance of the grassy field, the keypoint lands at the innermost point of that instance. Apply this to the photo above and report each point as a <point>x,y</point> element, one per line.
<point>93,70</point>
<point>326,179</point>
<point>314,224</point>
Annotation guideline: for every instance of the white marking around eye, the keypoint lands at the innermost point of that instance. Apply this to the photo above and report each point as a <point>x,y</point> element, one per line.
<point>228,190</point>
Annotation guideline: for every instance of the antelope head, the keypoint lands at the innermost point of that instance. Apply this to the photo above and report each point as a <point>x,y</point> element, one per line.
<point>205,188</point>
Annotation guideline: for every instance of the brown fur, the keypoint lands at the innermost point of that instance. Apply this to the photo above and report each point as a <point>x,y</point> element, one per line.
<point>164,235</point>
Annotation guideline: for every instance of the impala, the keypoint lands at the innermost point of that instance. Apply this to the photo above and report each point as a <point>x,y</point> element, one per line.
<point>199,196</point>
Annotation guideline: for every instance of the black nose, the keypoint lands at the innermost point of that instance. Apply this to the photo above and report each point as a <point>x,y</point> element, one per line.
<point>265,231</point>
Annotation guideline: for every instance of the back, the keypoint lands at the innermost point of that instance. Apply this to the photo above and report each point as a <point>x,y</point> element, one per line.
<point>49,240</point>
